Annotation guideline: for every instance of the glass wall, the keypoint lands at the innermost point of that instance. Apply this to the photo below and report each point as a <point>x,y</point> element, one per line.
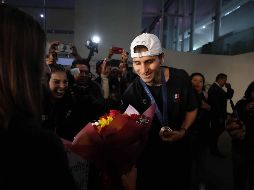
<point>177,20</point>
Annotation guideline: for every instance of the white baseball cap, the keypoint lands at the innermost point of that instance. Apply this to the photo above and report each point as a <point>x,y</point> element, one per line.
<point>150,41</point>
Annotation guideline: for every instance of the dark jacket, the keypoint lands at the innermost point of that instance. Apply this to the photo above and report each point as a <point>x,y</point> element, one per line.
<point>247,117</point>
<point>32,158</point>
<point>201,126</point>
<point>164,159</point>
<point>113,102</point>
<point>68,115</point>
<point>217,98</point>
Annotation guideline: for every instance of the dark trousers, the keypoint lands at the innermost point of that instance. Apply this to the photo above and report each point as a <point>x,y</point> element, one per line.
<point>169,169</point>
<point>243,168</point>
<point>217,128</point>
<point>199,154</point>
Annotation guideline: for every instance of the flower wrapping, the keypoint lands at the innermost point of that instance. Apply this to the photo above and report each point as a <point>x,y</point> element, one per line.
<point>115,141</point>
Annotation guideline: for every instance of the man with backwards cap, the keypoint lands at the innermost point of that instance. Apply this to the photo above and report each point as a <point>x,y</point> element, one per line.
<point>164,163</point>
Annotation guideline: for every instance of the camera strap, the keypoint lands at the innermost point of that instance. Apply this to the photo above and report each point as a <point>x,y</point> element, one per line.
<point>163,118</point>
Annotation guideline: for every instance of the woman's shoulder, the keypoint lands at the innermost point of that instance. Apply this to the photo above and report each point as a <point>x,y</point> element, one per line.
<point>241,102</point>
<point>40,153</point>
<point>36,138</point>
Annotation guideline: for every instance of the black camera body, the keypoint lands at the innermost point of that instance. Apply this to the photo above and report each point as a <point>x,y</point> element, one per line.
<point>92,46</point>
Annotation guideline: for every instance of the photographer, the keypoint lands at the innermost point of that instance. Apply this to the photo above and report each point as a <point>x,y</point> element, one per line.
<point>126,74</point>
<point>81,84</point>
<point>241,129</point>
<point>51,56</point>
<point>109,84</point>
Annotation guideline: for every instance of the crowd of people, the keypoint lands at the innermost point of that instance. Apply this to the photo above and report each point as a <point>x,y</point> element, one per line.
<point>42,102</point>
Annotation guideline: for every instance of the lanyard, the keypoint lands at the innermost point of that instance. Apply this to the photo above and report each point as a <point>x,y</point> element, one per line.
<point>163,118</point>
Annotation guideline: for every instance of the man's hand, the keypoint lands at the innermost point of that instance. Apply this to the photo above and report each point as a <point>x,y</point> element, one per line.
<point>236,128</point>
<point>105,69</point>
<point>205,106</point>
<point>110,53</point>
<point>228,85</point>
<point>172,135</point>
<point>129,179</point>
<point>124,57</point>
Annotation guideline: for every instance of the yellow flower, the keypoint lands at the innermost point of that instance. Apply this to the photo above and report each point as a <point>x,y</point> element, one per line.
<point>104,122</point>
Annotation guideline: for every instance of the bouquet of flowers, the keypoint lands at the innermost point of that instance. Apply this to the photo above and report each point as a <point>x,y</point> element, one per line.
<point>115,140</point>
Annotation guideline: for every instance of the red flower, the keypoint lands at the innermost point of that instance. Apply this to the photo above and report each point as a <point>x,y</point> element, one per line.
<point>134,116</point>
<point>118,144</point>
<point>113,113</point>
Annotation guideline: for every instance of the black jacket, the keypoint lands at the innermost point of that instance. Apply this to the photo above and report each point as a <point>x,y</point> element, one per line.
<point>247,117</point>
<point>32,158</point>
<point>163,158</point>
<point>217,98</point>
<point>68,115</point>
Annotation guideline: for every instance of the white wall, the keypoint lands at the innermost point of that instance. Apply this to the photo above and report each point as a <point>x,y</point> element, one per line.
<point>239,68</point>
<point>116,22</point>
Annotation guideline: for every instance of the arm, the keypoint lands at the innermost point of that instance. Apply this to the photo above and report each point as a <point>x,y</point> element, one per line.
<point>129,179</point>
<point>110,53</point>
<point>104,79</point>
<point>105,86</point>
<point>124,57</point>
<point>230,91</point>
<point>189,119</point>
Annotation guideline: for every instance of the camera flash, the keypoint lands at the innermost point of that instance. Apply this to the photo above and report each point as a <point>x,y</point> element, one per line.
<point>96,39</point>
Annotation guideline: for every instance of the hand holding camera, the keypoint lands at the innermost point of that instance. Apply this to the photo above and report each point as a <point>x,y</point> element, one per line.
<point>114,50</point>
<point>64,48</point>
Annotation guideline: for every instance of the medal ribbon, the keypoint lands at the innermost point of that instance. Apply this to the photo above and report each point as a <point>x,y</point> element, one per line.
<point>163,118</point>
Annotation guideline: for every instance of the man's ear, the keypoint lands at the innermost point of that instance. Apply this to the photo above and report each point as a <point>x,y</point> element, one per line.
<point>161,57</point>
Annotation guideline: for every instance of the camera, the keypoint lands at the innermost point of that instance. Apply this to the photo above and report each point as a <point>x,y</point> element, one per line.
<point>64,49</point>
<point>117,50</point>
<point>92,46</point>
